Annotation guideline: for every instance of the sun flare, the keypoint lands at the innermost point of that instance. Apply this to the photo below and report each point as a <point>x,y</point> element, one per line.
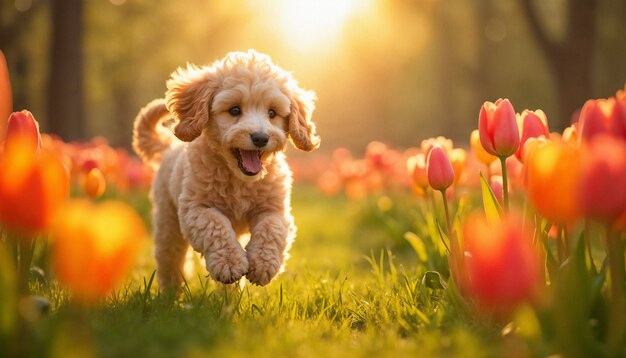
<point>311,23</point>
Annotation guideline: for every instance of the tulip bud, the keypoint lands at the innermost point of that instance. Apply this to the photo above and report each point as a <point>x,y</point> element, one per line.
<point>439,169</point>
<point>533,124</point>
<point>94,247</point>
<point>94,183</point>
<point>417,167</point>
<point>603,175</point>
<point>552,180</point>
<point>478,150</point>
<point>498,130</point>
<point>458,158</point>
<point>602,116</point>
<point>495,183</point>
<point>570,135</point>
<point>427,144</point>
<point>33,187</point>
<point>23,124</point>
<point>503,268</point>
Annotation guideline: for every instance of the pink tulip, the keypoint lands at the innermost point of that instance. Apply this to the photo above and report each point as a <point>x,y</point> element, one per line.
<point>602,116</point>
<point>533,124</point>
<point>498,130</point>
<point>496,187</point>
<point>439,169</point>
<point>603,173</point>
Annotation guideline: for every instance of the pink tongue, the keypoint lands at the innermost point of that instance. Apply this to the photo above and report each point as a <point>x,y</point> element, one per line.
<point>250,160</point>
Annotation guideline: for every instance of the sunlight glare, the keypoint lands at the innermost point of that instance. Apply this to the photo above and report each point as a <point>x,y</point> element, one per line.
<point>308,23</point>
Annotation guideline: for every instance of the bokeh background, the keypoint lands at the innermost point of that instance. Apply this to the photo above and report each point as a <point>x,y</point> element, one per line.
<point>396,71</point>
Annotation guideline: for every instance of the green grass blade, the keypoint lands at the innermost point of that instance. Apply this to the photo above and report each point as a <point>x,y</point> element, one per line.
<point>418,245</point>
<point>493,210</point>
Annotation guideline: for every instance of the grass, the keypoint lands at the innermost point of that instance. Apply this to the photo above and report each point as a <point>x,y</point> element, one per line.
<point>352,287</point>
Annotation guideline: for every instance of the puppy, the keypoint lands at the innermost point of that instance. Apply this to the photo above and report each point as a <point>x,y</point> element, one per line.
<point>222,172</point>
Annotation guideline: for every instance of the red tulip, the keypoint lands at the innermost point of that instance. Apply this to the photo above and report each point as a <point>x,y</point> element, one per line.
<point>503,267</point>
<point>23,124</point>
<point>498,130</point>
<point>439,169</point>
<point>533,124</point>
<point>6,97</point>
<point>602,116</point>
<point>603,178</point>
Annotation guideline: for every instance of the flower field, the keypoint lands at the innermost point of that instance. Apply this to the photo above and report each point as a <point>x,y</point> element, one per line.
<point>511,246</point>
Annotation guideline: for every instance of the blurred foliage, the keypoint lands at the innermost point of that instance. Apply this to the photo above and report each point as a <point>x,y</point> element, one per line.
<point>392,71</point>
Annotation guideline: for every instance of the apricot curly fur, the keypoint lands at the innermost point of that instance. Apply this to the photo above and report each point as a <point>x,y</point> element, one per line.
<point>202,196</point>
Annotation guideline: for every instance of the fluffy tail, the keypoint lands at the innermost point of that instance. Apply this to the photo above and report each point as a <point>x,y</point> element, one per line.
<point>150,139</point>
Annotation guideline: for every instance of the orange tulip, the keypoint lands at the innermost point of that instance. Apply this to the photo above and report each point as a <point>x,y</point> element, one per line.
<point>603,178</point>
<point>498,130</point>
<point>458,159</point>
<point>427,144</point>
<point>478,150</point>
<point>95,246</point>
<point>503,268</point>
<point>439,169</point>
<point>94,183</point>
<point>532,124</point>
<point>417,167</point>
<point>6,97</point>
<point>33,187</point>
<point>552,180</point>
<point>602,116</point>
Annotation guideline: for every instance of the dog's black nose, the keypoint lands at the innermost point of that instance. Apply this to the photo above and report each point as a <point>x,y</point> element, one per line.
<point>259,139</point>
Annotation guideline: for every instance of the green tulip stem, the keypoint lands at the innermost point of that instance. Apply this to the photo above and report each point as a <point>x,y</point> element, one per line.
<point>505,185</point>
<point>26,247</point>
<point>615,248</point>
<point>445,206</point>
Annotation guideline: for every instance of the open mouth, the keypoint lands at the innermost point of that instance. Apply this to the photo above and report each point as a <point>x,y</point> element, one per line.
<point>249,161</point>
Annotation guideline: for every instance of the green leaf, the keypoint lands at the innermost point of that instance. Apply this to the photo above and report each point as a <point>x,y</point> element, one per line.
<point>443,236</point>
<point>418,245</point>
<point>493,210</point>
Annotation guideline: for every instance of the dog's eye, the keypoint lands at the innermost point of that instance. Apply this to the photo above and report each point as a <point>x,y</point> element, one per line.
<point>235,111</point>
<point>271,113</point>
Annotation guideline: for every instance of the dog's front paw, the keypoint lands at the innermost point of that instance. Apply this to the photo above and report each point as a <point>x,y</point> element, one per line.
<point>265,264</point>
<point>227,265</point>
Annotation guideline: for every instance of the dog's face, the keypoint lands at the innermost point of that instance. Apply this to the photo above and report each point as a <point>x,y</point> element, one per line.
<point>249,121</point>
<point>246,106</point>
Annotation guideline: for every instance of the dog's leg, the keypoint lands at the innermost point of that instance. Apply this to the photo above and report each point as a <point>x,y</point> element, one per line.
<point>170,247</point>
<point>272,234</point>
<point>212,234</point>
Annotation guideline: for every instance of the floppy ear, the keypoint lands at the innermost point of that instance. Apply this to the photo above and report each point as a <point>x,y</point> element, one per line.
<point>188,98</point>
<point>301,128</point>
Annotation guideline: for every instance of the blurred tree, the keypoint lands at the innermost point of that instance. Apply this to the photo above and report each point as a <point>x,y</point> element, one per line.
<point>570,57</point>
<point>65,86</point>
<point>15,20</point>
